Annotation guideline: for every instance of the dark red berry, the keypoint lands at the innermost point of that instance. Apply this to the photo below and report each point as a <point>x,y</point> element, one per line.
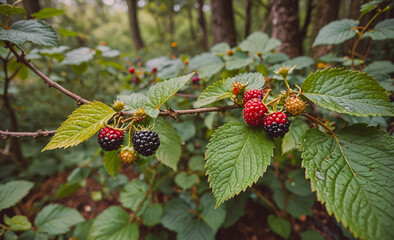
<point>253,93</point>
<point>254,112</point>
<point>146,142</point>
<point>110,139</point>
<point>154,70</point>
<point>276,124</point>
<point>131,70</point>
<point>136,79</point>
<point>196,80</point>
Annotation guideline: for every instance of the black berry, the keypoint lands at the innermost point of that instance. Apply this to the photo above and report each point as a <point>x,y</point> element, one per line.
<point>146,142</point>
<point>110,139</point>
<point>276,124</point>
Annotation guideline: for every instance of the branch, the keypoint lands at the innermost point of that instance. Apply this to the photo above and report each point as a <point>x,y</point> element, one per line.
<point>21,58</point>
<point>6,134</point>
<point>175,113</point>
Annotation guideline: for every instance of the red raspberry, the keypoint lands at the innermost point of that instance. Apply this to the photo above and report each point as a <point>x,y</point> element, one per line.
<point>196,80</point>
<point>154,70</point>
<point>254,112</point>
<point>136,79</point>
<point>276,124</point>
<point>110,139</point>
<point>131,70</point>
<point>253,93</point>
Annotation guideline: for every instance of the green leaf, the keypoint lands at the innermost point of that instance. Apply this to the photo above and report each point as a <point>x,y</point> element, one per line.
<point>13,192</point>
<point>369,6</point>
<point>113,64</point>
<point>220,49</point>
<point>57,219</point>
<point>292,139</point>
<point>311,235</point>
<point>379,67</point>
<point>300,62</point>
<point>9,235</point>
<point>133,194</point>
<point>79,55</point>
<point>223,89</point>
<point>133,101</point>
<point>30,31</point>
<point>7,9</point>
<point>336,32</point>
<point>259,43</point>
<point>159,93</point>
<point>382,31</point>
<point>152,215</point>
<point>196,163</point>
<point>280,226</point>
<point>78,174</point>
<point>213,217</point>
<point>112,162</point>
<point>185,181</point>
<point>346,91</point>
<point>353,176</point>
<point>113,224</point>
<point>81,125</point>
<point>32,235</point>
<point>67,190</point>
<point>19,223</point>
<point>67,33</point>
<point>238,60</point>
<point>237,156</point>
<point>48,13</point>
<point>297,184</point>
<point>82,230</point>
<point>110,53</point>
<point>169,152</point>
<point>207,64</point>
<point>235,209</point>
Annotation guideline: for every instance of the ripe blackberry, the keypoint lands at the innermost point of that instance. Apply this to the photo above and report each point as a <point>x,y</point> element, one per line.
<point>254,112</point>
<point>276,124</point>
<point>127,156</point>
<point>253,93</point>
<point>146,142</point>
<point>295,106</point>
<point>110,139</point>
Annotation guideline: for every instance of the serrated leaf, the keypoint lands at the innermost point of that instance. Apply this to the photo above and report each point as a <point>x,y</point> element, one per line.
<point>369,6</point>
<point>113,224</point>
<point>346,91</point>
<point>30,31</point>
<point>133,194</point>
<point>12,192</point>
<point>112,162</point>
<point>336,32</point>
<point>280,226</point>
<point>79,55</point>
<point>185,181</point>
<point>207,64</point>
<point>133,101</point>
<point>7,9</point>
<point>292,139</point>
<point>223,89</point>
<point>382,31</point>
<point>81,125</point>
<point>259,42</point>
<point>213,217</point>
<point>152,215</point>
<point>353,176</point>
<point>159,93</point>
<point>169,152</point>
<point>236,157</point>
<point>238,60</point>
<point>57,219</point>
<point>48,13</point>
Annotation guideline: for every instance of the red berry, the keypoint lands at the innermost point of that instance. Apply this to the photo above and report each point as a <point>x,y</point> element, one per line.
<point>276,124</point>
<point>154,70</point>
<point>131,70</point>
<point>136,79</point>
<point>110,139</point>
<point>196,80</point>
<point>253,93</point>
<point>254,112</point>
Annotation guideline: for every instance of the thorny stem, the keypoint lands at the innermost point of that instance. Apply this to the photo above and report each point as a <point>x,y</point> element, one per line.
<point>318,122</point>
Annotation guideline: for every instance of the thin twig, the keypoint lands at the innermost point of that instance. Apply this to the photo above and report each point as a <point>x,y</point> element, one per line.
<point>318,122</point>
<point>46,133</point>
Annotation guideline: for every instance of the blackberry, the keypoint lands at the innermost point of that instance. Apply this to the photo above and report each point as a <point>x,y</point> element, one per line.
<point>110,139</point>
<point>276,124</point>
<point>146,142</point>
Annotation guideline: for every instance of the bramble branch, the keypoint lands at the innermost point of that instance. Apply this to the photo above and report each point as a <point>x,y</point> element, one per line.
<point>46,133</point>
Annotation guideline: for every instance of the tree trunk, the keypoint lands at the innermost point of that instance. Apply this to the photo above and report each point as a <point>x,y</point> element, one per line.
<point>203,27</point>
<point>285,26</point>
<point>223,28</point>
<point>248,16</point>
<point>31,6</point>
<point>326,12</point>
<point>190,18</point>
<point>134,28</point>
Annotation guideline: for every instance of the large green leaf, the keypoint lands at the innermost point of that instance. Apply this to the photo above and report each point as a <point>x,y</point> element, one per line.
<point>382,31</point>
<point>223,89</point>
<point>81,125</point>
<point>57,219</point>
<point>7,9</point>
<point>238,60</point>
<point>13,192</point>
<point>30,31</point>
<point>159,93</point>
<point>346,91</point>
<point>79,55</point>
<point>112,162</point>
<point>170,148</point>
<point>259,42</point>
<point>48,13</point>
<point>336,32</point>
<point>353,176</point>
<point>133,194</point>
<point>237,156</point>
<point>113,224</point>
<point>207,64</point>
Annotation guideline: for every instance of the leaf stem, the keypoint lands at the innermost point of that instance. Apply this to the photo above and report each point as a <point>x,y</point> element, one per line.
<point>273,101</point>
<point>318,122</point>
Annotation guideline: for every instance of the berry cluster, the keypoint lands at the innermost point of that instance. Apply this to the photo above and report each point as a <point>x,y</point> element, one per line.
<point>146,142</point>
<point>276,124</point>
<point>110,139</point>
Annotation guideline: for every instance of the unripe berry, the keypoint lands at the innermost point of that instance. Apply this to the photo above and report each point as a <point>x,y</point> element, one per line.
<point>127,156</point>
<point>295,106</point>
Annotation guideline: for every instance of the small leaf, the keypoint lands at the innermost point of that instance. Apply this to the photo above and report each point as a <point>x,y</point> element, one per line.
<point>299,62</point>
<point>185,181</point>
<point>78,174</point>
<point>159,93</point>
<point>32,235</point>
<point>220,49</point>
<point>223,89</point>
<point>207,64</point>
<point>7,9</point>
<point>19,223</point>
<point>67,33</point>
<point>382,31</point>
<point>30,31</point>
<point>213,217</point>
<point>152,215</point>
<point>292,139</point>
<point>280,226</point>
<point>352,175</point>
<point>12,192</point>
<point>345,91</point>
<point>196,163</point>
<point>57,219</point>
<point>336,32</point>
<point>237,156</point>
<point>113,224</point>
<point>48,13</point>
<point>9,235</point>
<point>238,60</point>
<point>81,125</point>
<point>133,194</point>
<point>79,55</point>
<point>112,162</point>
<point>133,101</point>
<point>67,190</point>
<point>259,42</point>
<point>311,235</point>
